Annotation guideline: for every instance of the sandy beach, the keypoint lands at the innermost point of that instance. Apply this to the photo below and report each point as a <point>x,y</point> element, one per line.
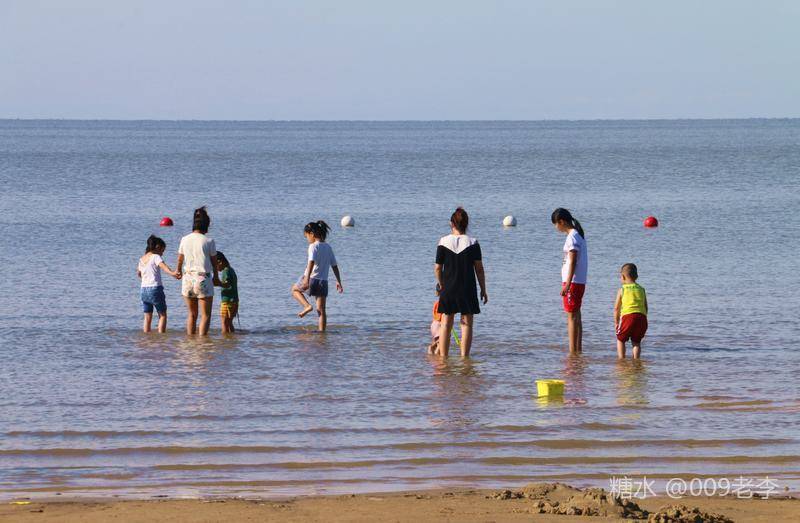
<point>525,504</point>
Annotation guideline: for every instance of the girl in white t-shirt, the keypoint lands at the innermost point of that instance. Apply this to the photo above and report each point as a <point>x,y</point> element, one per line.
<point>152,293</point>
<point>314,280</point>
<point>574,269</point>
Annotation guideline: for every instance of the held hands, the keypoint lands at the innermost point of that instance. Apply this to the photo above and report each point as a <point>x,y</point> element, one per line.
<point>220,283</point>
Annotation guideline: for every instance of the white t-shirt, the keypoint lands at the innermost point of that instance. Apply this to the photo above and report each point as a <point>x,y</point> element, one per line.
<point>321,254</point>
<point>197,250</point>
<point>575,242</point>
<point>150,271</point>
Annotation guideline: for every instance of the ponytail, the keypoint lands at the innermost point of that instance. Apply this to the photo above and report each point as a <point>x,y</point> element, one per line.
<point>564,215</point>
<point>153,243</point>
<point>318,229</point>
<point>577,226</point>
<point>460,220</point>
<point>201,220</point>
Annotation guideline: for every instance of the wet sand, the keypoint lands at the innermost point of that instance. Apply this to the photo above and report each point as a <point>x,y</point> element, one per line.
<point>439,505</point>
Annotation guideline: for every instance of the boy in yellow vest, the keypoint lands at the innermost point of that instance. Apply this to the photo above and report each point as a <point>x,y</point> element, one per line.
<point>630,312</point>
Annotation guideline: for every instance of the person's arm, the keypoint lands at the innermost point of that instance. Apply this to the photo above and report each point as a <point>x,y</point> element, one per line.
<point>179,266</point>
<point>481,274</point>
<point>307,275</point>
<point>572,261</point>
<point>339,286</point>
<point>165,268</point>
<point>646,308</point>
<point>437,271</point>
<point>216,281</point>
<point>617,307</point>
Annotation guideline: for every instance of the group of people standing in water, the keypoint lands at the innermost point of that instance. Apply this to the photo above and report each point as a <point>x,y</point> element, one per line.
<point>458,268</point>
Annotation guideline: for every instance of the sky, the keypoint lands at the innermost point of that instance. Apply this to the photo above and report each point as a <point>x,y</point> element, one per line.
<point>399,60</point>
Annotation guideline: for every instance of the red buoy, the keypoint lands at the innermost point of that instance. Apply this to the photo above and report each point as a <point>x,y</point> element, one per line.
<point>650,221</point>
<point>166,221</point>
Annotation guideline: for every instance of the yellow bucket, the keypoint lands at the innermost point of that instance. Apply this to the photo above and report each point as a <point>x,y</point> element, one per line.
<point>550,387</point>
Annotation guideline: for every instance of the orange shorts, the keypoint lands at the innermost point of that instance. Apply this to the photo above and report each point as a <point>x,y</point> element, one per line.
<point>228,309</point>
<point>573,299</point>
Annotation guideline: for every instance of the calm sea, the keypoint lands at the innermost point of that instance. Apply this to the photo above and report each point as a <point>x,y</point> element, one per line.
<point>91,406</point>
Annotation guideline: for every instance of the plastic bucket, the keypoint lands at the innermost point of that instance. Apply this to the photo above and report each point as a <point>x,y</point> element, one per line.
<point>550,387</point>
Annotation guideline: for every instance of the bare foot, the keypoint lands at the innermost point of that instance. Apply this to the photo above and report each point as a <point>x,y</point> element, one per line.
<point>305,311</point>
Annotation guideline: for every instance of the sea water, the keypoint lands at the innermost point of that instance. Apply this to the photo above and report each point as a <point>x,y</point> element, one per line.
<point>89,405</point>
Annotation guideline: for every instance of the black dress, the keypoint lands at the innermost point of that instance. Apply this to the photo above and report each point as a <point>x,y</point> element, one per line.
<point>457,255</point>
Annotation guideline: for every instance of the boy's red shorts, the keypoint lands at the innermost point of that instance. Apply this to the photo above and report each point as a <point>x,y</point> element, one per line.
<point>573,299</point>
<point>632,327</point>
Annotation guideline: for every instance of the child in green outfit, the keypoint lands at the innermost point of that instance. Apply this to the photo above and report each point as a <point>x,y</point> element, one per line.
<point>229,306</point>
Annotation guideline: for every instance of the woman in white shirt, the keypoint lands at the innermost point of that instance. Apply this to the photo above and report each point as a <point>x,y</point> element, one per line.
<point>197,266</point>
<point>574,269</point>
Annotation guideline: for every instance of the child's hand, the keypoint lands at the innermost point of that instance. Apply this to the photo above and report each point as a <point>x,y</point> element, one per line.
<point>339,287</point>
<point>177,275</point>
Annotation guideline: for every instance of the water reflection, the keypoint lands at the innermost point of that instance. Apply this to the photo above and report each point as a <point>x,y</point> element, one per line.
<point>631,384</point>
<point>458,392</point>
<point>575,375</point>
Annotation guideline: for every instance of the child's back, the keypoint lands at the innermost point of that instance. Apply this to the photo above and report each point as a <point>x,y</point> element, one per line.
<point>150,270</point>
<point>321,253</point>
<point>634,299</point>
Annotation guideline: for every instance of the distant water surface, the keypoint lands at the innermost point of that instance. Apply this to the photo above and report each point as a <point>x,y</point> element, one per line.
<point>90,406</point>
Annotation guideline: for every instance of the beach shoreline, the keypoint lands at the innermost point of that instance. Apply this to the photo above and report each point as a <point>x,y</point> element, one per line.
<point>419,505</point>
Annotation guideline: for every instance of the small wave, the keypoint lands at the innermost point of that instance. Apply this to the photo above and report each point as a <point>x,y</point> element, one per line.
<point>87,433</point>
<point>145,450</point>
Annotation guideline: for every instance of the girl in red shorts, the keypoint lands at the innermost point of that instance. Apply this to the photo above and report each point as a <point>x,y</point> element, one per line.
<point>630,312</point>
<point>573,274</point>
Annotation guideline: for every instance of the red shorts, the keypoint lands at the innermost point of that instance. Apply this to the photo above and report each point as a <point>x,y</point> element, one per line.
<point>573,299</point>
<point>632,327</point>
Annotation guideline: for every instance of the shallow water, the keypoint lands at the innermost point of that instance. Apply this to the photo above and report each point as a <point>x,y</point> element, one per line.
<point>91,406</point>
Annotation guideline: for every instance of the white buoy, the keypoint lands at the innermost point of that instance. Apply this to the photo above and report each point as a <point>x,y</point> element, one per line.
<point>509,221</point>
<point>348,221</point>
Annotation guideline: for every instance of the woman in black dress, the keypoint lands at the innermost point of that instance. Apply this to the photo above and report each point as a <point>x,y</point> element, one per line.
<point>458,262</point>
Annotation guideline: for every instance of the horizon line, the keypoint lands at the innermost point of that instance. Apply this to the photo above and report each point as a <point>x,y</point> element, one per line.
<point>665,119</point>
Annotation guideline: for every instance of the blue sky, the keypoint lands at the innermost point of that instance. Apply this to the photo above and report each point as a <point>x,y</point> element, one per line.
<point>378,60</point>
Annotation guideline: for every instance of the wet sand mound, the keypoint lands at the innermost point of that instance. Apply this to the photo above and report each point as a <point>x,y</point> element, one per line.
<point>558,498</point>
<point>684,514</point>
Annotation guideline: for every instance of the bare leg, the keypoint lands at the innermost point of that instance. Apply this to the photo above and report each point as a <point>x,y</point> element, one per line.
<point>637,350</point>
<point>162,322</point>
<point>444,334</point>
<point>323,313</point>
<point>621,350</point>
<point>579,340</point>
<point>224,324</point>
<point>205,314</point>
<point>148,319</point>
<point>573,322</point>
<point>433,346</point>
<point>191,316</point>
<point>466,334</point>
<point>298,295</point>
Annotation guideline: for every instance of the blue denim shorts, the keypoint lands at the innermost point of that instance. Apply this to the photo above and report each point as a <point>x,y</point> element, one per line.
<point>153,297</point>
<point>316,288</point>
